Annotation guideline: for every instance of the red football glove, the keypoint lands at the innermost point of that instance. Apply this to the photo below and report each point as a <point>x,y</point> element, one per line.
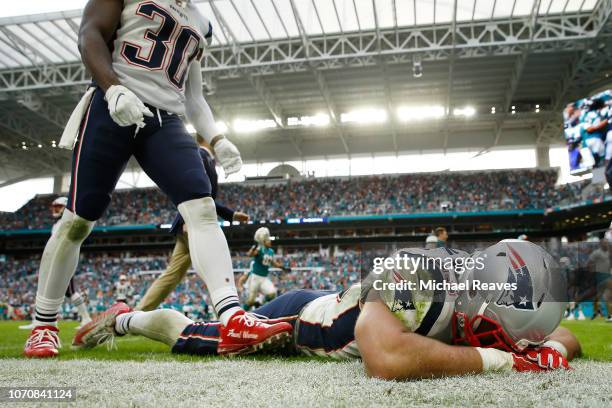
<point>539,359</point>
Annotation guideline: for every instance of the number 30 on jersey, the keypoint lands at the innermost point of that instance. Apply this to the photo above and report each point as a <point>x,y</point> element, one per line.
<point>173,47</point>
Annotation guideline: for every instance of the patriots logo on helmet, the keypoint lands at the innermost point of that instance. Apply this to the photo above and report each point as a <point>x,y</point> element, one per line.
<point>518,274</point>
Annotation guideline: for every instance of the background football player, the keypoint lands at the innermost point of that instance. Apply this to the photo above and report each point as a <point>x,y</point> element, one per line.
<point>257,279</point>
<point>401,334</point>
<point>123,290</point>
<point>145,60</point>
<point>72,294</point>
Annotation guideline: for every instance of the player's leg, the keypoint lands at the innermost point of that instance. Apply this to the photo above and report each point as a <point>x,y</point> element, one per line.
<point>253,284</point>
<point>78,301</point>
<point>163,325</point>
<point>119,320</point>
<point>170,278</point>
<point>203,338</point>
<point>268,289</point>
<point>99,157</point>
<point>171,158</point>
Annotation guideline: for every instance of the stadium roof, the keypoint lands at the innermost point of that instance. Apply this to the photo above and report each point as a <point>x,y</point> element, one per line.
<point>279,60</point>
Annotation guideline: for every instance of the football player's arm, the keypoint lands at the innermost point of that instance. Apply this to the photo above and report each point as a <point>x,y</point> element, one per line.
<point>569,344</point>
<point>391,352</point>
<point>198,113</point>
<point>601,125</point>
<point>224,212</point>
<point>281,266</point>
<point>98,26</point>
<point>100,20</point>
<point>253,251</point>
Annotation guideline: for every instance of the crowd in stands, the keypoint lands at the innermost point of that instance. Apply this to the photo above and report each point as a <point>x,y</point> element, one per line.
<point>97,274</point>
<point>321,269</point>
<point>367,195</point>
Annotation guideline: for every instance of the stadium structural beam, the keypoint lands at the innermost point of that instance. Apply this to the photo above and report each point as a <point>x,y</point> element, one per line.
<point>43,109</point>
<point>473,39</point>
<point>451,63</point>
<point>321,82</point>
<point>257,82</point>
<point>386,85</point>
<point>20,179</point>
<point>517,72</point>
<point>19,127</point>
<point>275,109</point>
<point>451,76</point>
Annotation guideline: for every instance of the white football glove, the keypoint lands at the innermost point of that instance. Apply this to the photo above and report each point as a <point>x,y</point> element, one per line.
<point>228,156</point>
<point>125,107</point>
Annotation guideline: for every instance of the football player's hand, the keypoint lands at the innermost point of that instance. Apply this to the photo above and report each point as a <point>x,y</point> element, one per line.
<point>539,359</point>
<point>228,156</point>
<point>125,108</point>
<point>241,217</point>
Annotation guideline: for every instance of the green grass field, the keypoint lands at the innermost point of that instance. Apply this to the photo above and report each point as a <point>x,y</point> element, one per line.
<point>144,373</point>
<point>595,337</point>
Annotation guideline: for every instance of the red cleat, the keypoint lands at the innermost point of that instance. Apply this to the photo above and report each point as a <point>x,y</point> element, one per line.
<point>43,342</point>
<point>101,329</point>
<point>245,334</point>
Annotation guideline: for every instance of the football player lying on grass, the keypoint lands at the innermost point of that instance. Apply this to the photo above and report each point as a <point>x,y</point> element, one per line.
<point>401,334</point>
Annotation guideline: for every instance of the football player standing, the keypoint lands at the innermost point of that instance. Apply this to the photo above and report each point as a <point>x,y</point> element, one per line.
<point>144,57</point>
<point>257,278</point>
<point>76,299</point>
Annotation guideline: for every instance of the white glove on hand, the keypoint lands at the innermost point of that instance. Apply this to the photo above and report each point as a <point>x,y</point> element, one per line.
<point>228,156</point>
<point>125,107</point>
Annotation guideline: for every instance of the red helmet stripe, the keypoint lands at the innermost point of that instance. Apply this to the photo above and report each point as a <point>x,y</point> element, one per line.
<point>518,257</point>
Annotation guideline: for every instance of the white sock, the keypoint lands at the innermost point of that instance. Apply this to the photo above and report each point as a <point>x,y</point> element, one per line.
<point>58,264</point>
<point>79,302</point>
<point>164,325</point>
<point>210,255</point>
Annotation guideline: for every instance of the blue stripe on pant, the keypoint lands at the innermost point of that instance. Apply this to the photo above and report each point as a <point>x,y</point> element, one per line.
<point>163,148</point>
<point>202,338</point>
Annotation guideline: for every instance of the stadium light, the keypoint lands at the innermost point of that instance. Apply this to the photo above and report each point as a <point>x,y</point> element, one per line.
<point>410,113</point>
<point>467,111</point>
<point>249,126</point>
<point>320,119</point>
<point>222,126</point>
<point>365,116</point>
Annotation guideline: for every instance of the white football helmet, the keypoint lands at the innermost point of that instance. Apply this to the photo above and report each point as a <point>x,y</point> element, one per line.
<point>262,235</point>
<point>511,319</point>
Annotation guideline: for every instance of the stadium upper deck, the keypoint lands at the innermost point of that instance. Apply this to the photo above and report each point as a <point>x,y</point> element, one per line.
<point>276,65</point>
<point>368,195</point>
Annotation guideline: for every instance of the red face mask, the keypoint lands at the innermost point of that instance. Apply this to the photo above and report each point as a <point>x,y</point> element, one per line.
<point>490,334</point>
